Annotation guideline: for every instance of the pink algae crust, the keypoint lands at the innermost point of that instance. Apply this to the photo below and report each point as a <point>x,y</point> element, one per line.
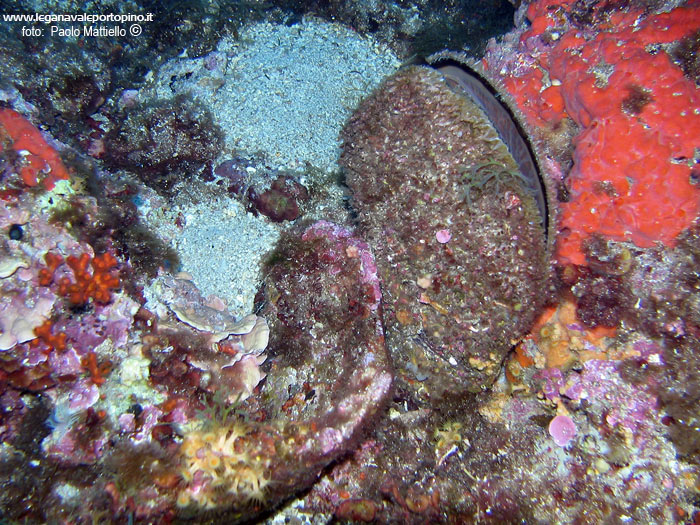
<point>639,119</point>
<point>562,429</point>
<point>443,236</point>
<point>352,247</point>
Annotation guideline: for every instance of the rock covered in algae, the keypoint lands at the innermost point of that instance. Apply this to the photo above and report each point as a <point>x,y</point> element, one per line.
<point>327,354</point>
<point>328,377</point>
<point>455,227</point>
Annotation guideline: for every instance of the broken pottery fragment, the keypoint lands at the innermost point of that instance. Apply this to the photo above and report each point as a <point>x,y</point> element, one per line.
<point>328,377</point>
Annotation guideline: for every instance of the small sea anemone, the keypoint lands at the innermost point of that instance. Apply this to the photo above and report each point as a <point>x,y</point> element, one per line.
<point>448,439</point>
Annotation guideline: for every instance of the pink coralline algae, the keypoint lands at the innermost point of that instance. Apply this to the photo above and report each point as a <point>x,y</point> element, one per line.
<point>627,408</point>
<point>354,248</point>
<point>562,429</point>
<point>20,314</point>
<point>443,236</point>
<point>550,380</point>
<point>631,410</point>
<point>231,350</point>
<point>60,305</point>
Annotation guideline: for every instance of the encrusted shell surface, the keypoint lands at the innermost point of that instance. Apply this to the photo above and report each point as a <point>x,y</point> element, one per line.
<point>421,160</point>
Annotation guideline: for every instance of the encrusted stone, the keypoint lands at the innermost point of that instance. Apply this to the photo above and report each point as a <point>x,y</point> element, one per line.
<point>422,159</point>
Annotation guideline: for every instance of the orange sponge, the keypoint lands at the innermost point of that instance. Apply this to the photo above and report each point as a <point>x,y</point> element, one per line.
<point>87,283</point>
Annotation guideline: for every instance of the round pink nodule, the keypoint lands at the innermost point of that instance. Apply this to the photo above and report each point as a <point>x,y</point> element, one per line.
<point>443,236</point>
<point>562,429</point>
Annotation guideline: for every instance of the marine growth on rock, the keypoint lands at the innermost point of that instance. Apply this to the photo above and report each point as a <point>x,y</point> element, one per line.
<point>457,233</point>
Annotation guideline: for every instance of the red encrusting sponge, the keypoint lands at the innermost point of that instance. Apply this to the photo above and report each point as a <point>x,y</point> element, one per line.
<point>639,117</point>
<point>39,157</point>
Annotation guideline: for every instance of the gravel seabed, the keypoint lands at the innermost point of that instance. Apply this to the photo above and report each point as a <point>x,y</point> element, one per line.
<point>280,92</point>
<point>221,246</point>
<point>283,91</point>
<point>296,86</point>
